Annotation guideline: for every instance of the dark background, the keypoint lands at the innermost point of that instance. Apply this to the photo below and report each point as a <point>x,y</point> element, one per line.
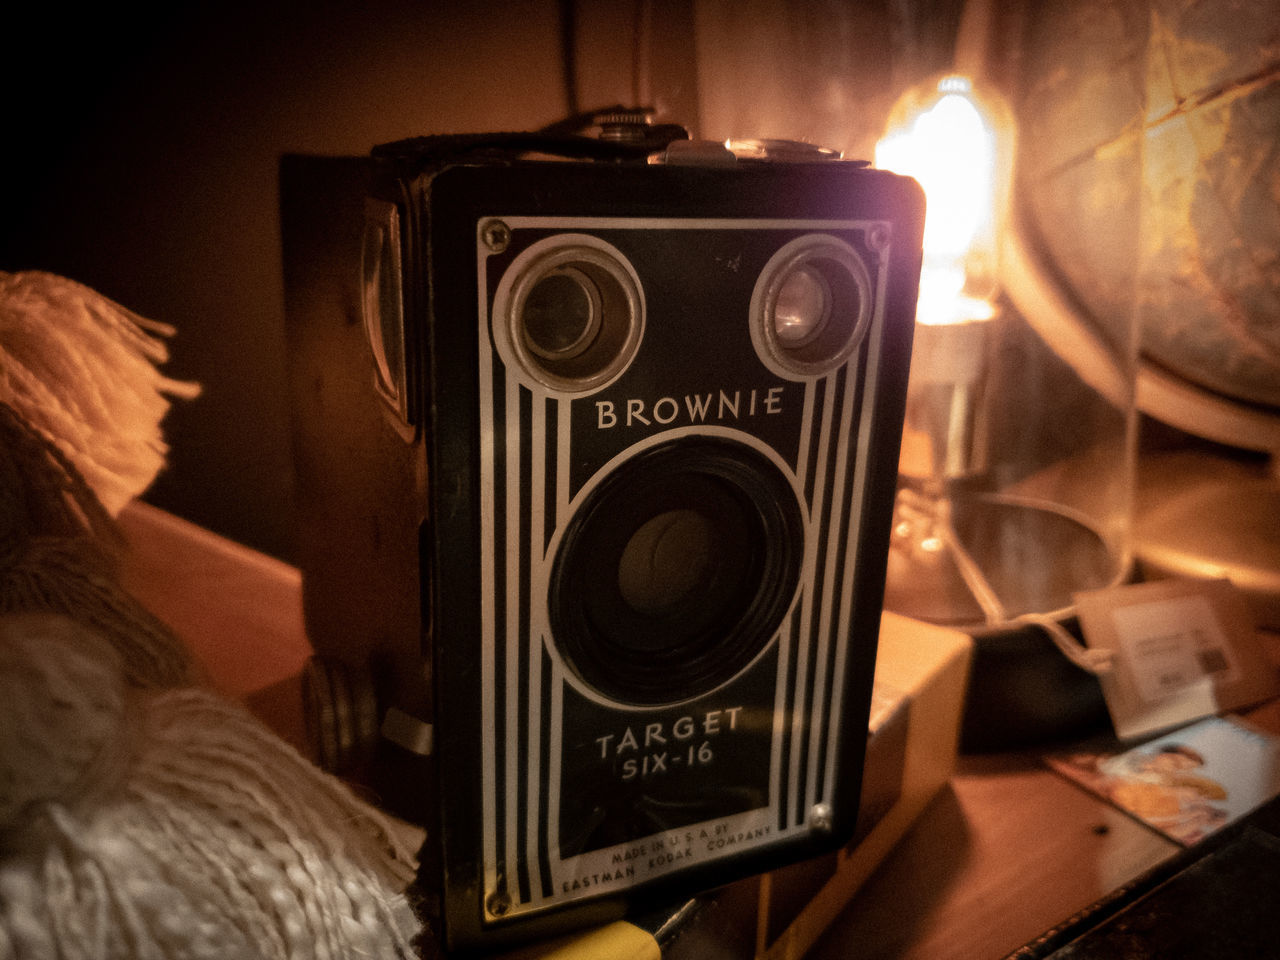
<point>141,153</point>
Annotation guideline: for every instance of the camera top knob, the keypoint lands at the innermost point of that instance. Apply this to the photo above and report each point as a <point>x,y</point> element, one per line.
<point>623,125</point>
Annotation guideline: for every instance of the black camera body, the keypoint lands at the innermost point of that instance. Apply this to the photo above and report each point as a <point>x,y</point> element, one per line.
<point>595,459</point>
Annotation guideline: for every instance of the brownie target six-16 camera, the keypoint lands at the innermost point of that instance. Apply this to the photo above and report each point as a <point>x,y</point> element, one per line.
<point>596,446</point>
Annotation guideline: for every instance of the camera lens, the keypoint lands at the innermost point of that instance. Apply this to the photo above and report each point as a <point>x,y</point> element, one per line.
<point>676,571</point>
<point>802,308</point>
<point>569,313</point>
<point>811,306</point>
<point>665,561</point>
<point>562,314</point>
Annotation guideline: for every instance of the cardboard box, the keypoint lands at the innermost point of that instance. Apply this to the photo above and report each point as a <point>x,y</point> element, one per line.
<point>920,680</point>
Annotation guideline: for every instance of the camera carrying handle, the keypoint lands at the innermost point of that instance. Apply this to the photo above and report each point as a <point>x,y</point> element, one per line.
<point>626,135</point>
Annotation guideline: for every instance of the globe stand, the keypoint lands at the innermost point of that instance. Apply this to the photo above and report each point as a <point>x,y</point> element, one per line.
<point>1209,515</point>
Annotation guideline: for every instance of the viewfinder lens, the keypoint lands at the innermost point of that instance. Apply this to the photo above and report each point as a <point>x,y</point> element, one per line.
<point>569,313</point>
<point>811,306</point>
<point>562,314</point>
<point>802,308</point>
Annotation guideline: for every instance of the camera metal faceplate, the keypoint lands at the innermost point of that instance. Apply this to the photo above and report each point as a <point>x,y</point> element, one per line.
<point>564,798</point>
<point>654,785</point>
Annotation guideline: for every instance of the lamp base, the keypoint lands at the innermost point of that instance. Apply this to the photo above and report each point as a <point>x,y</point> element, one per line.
<point>978,562</point>
<point>1024,693</point>
<point>974,559</point>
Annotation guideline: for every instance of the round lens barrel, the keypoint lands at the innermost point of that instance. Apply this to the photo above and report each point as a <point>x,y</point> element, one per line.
<point>676,571</point>
<point>570,313</point>
<point>812,306</point>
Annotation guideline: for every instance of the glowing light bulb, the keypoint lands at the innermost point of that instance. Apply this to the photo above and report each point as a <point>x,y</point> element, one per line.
<point>948,139</point>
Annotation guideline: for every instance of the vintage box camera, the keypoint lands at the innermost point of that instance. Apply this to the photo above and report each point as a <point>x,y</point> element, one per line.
<point>596,453</point>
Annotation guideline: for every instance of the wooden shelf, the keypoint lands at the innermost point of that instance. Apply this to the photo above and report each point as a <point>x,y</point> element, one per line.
<point>1006,851</point>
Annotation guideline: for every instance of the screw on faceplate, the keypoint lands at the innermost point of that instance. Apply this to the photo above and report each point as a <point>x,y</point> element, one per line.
<point>498,903</point>
<point>878,237</point>
<point>496,235</point>
<point>821,818</point>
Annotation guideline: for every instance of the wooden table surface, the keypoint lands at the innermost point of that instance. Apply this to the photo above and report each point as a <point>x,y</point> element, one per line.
<point>239,611</point>
<point>1006,851</point>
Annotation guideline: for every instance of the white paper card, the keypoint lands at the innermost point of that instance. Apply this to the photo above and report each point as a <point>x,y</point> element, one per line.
<point>1171,645</point>
<point>1183,650</point>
